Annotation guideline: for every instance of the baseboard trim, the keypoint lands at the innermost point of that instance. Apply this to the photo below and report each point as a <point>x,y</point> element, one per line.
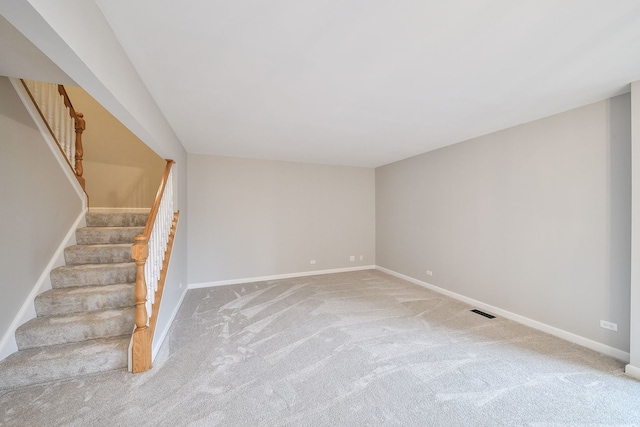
<point>159,339</point>
<point>632,371</point>
<point>27,311</point>
<point>119,210</point>
<point>560,333</point>
<point>278,277</point>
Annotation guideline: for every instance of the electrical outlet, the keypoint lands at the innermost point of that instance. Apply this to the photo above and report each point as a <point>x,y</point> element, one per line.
<point>313,261</point>
<point>352,258</point>
<point>429,273</point>
<point>609,325</point>
<point>361,257</point>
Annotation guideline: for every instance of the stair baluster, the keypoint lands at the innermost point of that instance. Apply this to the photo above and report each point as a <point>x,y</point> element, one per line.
<point>55,108</point>
<point>151,252</point>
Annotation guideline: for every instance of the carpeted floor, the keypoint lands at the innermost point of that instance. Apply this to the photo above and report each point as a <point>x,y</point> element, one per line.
<point>351,349</point>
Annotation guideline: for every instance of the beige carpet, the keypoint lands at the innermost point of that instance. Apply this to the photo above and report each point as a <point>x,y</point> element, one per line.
<point>352,349</point>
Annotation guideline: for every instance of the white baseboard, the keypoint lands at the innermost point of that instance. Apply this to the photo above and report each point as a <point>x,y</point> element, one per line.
<point>278,277</point>
<point>632,371</point>
<point>118,210</point>
<point>159,339</point>
<point>560,333</point>
<point>27,311</point>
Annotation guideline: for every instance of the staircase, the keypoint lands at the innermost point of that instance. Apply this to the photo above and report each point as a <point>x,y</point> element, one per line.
<point>84,324</point>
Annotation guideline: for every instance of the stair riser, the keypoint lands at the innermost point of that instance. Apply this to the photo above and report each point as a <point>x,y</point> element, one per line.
<point>106,235</point>
<point>54,331</point>
<point>116,220</point>
<point>64,277</point>
<point>101,254</point>
<point>87,298</point>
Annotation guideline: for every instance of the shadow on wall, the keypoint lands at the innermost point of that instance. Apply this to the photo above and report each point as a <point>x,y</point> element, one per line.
<point>120,170</point>
<point>619,212</point>
<point>123,186</point>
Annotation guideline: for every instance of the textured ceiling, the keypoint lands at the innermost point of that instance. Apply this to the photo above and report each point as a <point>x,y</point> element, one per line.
<point>367,83</point>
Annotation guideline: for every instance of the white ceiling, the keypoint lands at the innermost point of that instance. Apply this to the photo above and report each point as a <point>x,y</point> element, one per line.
<point>369,82</point>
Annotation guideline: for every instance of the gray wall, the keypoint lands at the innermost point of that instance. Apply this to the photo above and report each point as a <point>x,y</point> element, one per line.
<point>534,219</point>
<point>38,207</point>
<point>634,369</point>
<point>251,218</point>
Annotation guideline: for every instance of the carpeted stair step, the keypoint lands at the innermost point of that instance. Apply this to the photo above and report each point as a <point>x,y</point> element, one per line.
<point>55,330</point>
<point>85,322</point>
<point>42,364</point>
<point>106,235</point>
<point>98,254</point>
<point>125,219</point>
<point>56,302</point>
<point>93,274</point>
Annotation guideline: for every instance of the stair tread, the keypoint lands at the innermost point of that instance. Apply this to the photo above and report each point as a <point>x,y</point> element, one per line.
<point>79,299</point>
<point>110,228</point>
<point>109,253</point>
<point>93,316</point>
<point>96,246</point>
<point>75,327</point>
<point>43,364</point>
<point>120,219</point>
<point>103,235</point>
<point>86,290</point>
<point>93,274</point>
<point>93,266</point>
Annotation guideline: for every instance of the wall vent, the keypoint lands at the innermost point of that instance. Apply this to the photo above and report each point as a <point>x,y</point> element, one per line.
<point>482,313</point>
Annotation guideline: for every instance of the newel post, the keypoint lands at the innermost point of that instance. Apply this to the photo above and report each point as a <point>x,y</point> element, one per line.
<point>80,126</point>
<point>141,348</point>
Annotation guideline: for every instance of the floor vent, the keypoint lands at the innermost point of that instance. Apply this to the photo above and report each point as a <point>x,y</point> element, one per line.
<point>482,313</point>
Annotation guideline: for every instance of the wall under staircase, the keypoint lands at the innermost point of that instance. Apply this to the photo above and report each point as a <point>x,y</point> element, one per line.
<point>40,204</point>
<point>84,323</point>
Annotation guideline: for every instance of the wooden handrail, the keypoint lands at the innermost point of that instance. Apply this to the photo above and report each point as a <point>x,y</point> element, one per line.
<point>145,322</point>
<point>67,101</point>
<point>80,126</point>
<point>74,155</point>
<point>156,202</point>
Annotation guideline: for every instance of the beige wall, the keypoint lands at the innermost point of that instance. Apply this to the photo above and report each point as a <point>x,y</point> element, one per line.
<point>39,204</point>
<point>251,218</point>
<point>119,169</point>
<point>534,219</point>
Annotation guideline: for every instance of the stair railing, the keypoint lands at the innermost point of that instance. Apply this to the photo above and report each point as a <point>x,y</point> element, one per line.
<point>63,121</point>
<point>151,253</point>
